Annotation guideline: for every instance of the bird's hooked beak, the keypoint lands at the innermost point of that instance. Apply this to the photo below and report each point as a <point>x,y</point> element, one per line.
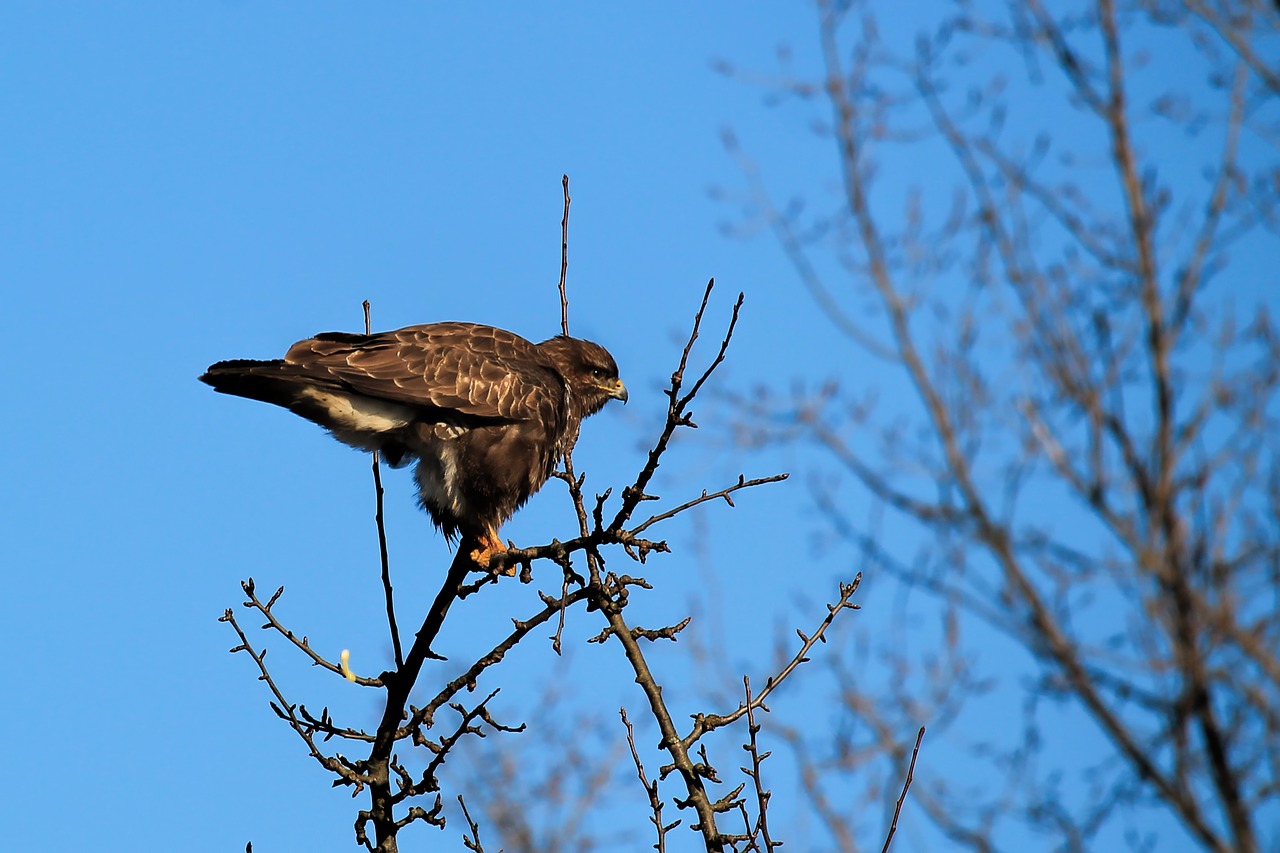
<point>618,391</point>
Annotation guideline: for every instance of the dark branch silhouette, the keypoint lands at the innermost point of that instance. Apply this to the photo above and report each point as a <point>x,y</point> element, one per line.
<point>392,785</point>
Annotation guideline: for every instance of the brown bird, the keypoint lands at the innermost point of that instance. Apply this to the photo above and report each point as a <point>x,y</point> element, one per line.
<point>485,413</point>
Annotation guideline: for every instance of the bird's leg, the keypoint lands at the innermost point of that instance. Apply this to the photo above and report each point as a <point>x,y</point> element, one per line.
<point>490,546</point>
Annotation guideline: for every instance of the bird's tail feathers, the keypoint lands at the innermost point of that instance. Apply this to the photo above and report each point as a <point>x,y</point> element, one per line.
<point>274,381</point>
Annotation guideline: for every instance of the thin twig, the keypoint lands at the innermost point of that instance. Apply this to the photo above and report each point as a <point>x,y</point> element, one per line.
<point>464,728</point>
<point>564,602</point>
<point>473,843</point>
<point>423,716</point>
<point>303,644</point>
<point>650,788</point>
<point>724,347</point>
<point>742,483</point>
<point>564,258</point>
<point>676,410</point>
<point>704,723</point>
<point>911,769</point>
<point>762,796</point>
<point>386,566</point>
<point>382,533</point>
<point>285,710</point>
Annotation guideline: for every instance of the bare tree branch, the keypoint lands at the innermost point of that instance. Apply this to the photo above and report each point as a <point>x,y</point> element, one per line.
<point>906,785</point>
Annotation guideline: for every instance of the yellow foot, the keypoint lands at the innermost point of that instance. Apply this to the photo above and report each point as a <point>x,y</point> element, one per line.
<point>491,546</point>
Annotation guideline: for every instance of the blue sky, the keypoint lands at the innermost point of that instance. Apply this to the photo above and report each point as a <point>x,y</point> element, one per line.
<point>191,182</point>
<point>185,183</point>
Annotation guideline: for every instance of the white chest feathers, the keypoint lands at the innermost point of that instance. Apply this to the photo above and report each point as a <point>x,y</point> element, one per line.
<point>437,476</point>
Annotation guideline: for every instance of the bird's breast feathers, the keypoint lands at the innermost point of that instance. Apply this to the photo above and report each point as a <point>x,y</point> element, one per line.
<point>439,485</point>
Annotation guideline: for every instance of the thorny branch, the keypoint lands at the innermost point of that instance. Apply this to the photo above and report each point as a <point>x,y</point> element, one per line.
<point>650,789</point>
<point>759,831</point>
<point>390,782</point>
<point>344,769</point>
<point>266,608</point>
<point>703,723</point>
<point>608,595</point>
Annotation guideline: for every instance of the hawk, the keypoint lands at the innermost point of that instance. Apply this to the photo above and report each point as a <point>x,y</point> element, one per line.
<point>485,413</point>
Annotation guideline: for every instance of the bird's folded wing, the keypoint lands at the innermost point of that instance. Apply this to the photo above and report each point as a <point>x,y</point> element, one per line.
<point>473,370</point>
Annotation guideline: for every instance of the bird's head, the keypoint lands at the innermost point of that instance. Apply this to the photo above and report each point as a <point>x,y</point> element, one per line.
<point>591,372</point>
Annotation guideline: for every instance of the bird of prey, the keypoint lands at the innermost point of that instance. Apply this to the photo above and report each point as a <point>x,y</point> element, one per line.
<point>485,413</point>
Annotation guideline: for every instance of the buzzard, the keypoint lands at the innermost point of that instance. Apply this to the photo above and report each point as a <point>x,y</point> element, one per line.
<point>485,413</point>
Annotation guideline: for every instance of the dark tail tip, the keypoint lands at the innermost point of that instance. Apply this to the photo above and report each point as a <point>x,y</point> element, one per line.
<point>259,380</point>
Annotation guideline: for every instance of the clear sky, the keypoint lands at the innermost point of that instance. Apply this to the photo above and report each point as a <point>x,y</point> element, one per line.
<point>184,183</point>
<point>190,182</point>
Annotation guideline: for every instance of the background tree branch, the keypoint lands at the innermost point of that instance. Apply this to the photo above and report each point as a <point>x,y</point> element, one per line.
<point>1078,448</point>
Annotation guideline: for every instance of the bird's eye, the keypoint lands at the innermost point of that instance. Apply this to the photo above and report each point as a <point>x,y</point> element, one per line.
<point>597,373</point>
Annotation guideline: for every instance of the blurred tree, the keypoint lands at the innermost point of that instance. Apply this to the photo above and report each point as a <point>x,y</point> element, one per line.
<point>1081,483</point>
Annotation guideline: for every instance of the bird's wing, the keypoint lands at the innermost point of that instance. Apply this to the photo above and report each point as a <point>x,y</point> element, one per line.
<point>477,371</point>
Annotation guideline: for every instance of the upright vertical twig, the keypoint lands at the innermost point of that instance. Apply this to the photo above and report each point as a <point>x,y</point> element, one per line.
<point>761,827</point>
<point>382,534</point>
<point>564,258</point>
<point>650,788</point>
<point>472,841</point>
